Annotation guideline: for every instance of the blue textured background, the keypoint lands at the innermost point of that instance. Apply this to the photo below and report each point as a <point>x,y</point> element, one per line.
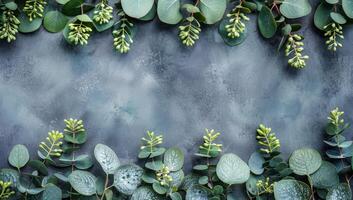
<point>162,86</point>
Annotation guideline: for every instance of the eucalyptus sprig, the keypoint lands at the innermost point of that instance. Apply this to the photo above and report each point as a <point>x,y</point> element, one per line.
<point>267,140</point>
<point>34,9</point>
<point>190,30</point>
<point>123,33</point>
<point>79,32</point>
<point>236,18</point>
<point>334,33</point>
<point>9,25</point>
<point>103,12</point>
<point>294,48</point>
<point>51,146</point>
<point>5,192</point>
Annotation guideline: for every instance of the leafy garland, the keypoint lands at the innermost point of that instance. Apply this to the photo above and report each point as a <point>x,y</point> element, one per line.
<point>306,176</point>
<point>78,19</point>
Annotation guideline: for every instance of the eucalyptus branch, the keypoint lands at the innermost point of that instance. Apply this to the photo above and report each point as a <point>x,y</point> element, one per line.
<point>9,25</point>
<point>123,33</point>
<point>34,8</point>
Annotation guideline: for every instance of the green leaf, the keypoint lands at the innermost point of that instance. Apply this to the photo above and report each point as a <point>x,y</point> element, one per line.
<point>332,1</point>
<point>80,137</point>
<point>169,11</point>
<point>174,159</point>
<point>256,162</point>
<point>84,18</point>
<point>338,18</point>
<point>305,161</point>
<point>325,177</point>
<point>19,156</point>
<point>295,8</point>
<point>26,186</point>
<point>177,177</point>
<point>339,192</point>
<point>10,175</point>
<point>200,167</point>
<point>107,158</point>
<point>251,184</point>
<point>54,21</point>
<point>291,190</point>
<point>27,26</point>
<point>150,15</point>
<point>348,8</point>
<point>322,15</point>
<point>196,192</point>
<point>232,170</point>
<point>145,193</point>
<point>136,8</point>
<point>83,182</point>
<point>203,180</point>
<point>190,180</point>
<point>231,41</point>
<point>191,8</point>
<point>11,5</point>
<point>213,10</point>
<point>83,162</point>
<point>127,178</point>
<point>158,188</point>
<point>154,165</point>
<point>266,22</point>
<point>73,7</point>
<point>52,192</point>
<point>176,196</point>
<point>39,166</point>
<point>102,27</point>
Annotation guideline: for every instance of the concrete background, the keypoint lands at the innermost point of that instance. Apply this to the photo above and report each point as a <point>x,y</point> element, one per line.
<point>162,86</point>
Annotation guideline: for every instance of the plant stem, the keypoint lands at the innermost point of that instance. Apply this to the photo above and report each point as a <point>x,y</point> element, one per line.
<point>105,185</point>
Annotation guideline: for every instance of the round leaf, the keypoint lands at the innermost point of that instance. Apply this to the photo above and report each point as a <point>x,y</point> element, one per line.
<point>83,182</point>
<point>11,5</point>
<point>137,8</point>
<point>174,159</point>
<point>305,161</point>
<point>322,15</point>
<point>169,11</point>
<point>291,190</point>
<point>295,8</point>
<point>213,10</point>
<point>26,26</point>
<point>326,176</point>
<point>145,193</point>
<point>51,192</point>
<point>127,178</point>
<point>266,22</point>
<point>231,41</point>
<point>18,156</point>
<point>338,18</point>
<point>256,162</point>
<point>348,8</point>
<point>196,192</point>
<point>107,158</point>
<point>54,21</point>
<point>332,1</point>
<point>251,185</point>
<point>83,162</point>
<point>232,170</point>
<point>177,178</point>
<point>39,166</point>
<point>339,192</point>
<point>150,15</point>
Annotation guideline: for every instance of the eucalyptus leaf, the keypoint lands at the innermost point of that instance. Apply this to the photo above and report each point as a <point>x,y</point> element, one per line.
<point>177,178</point>
<point>54,21</point>
<point>39,166</point>
<point>332,1</point>
<point>338,18</point>
<point>232,170</point>
<point>83,162</point>
<point>305,161</point>
<point>158,188</point>
<point>196,192</point>
<point>326,176</point>
<point>251,185</point>
<point>136,8</point>
<point>174,159</point>
<point>11,5</point>
<point>107,158</point>
<point>10,175</point>
<point>295,8</point>
<point>266,22</point>
<point>83,182</point>
<point>76,7</point>
<point>339,192</point>
<point>287,189</point>
<point>27,26</point>
<point>145,193</point>
<point>169,11</point>
<point>18,156</point>
<point>255,163</point>
<point>52,192</point>
<point>322,15</point>
<point>150,15</point>
<point>213,10</point>
<point>347,6</point>
<point>127,178</point>
<point>231,41</point>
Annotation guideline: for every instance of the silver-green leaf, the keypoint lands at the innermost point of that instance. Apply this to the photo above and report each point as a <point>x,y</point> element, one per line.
<point>169,11</point>
<point>127,178</point>
<point>83,182</point>
<point>291,190</point>
<point>137,8</point>
<point>174,159</point>
<point>305,161</point>
<point>339,192</point>
<point>232,170</point>
<point>19,156</point>
<point>213,10</point>
<point>295,8</point>
<point>107,158</point>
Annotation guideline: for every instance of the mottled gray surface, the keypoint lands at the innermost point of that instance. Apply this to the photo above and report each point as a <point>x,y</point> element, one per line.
<point>162,86</point>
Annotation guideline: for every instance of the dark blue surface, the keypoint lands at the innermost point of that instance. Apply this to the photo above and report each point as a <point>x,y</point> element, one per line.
<point>162,86</point>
